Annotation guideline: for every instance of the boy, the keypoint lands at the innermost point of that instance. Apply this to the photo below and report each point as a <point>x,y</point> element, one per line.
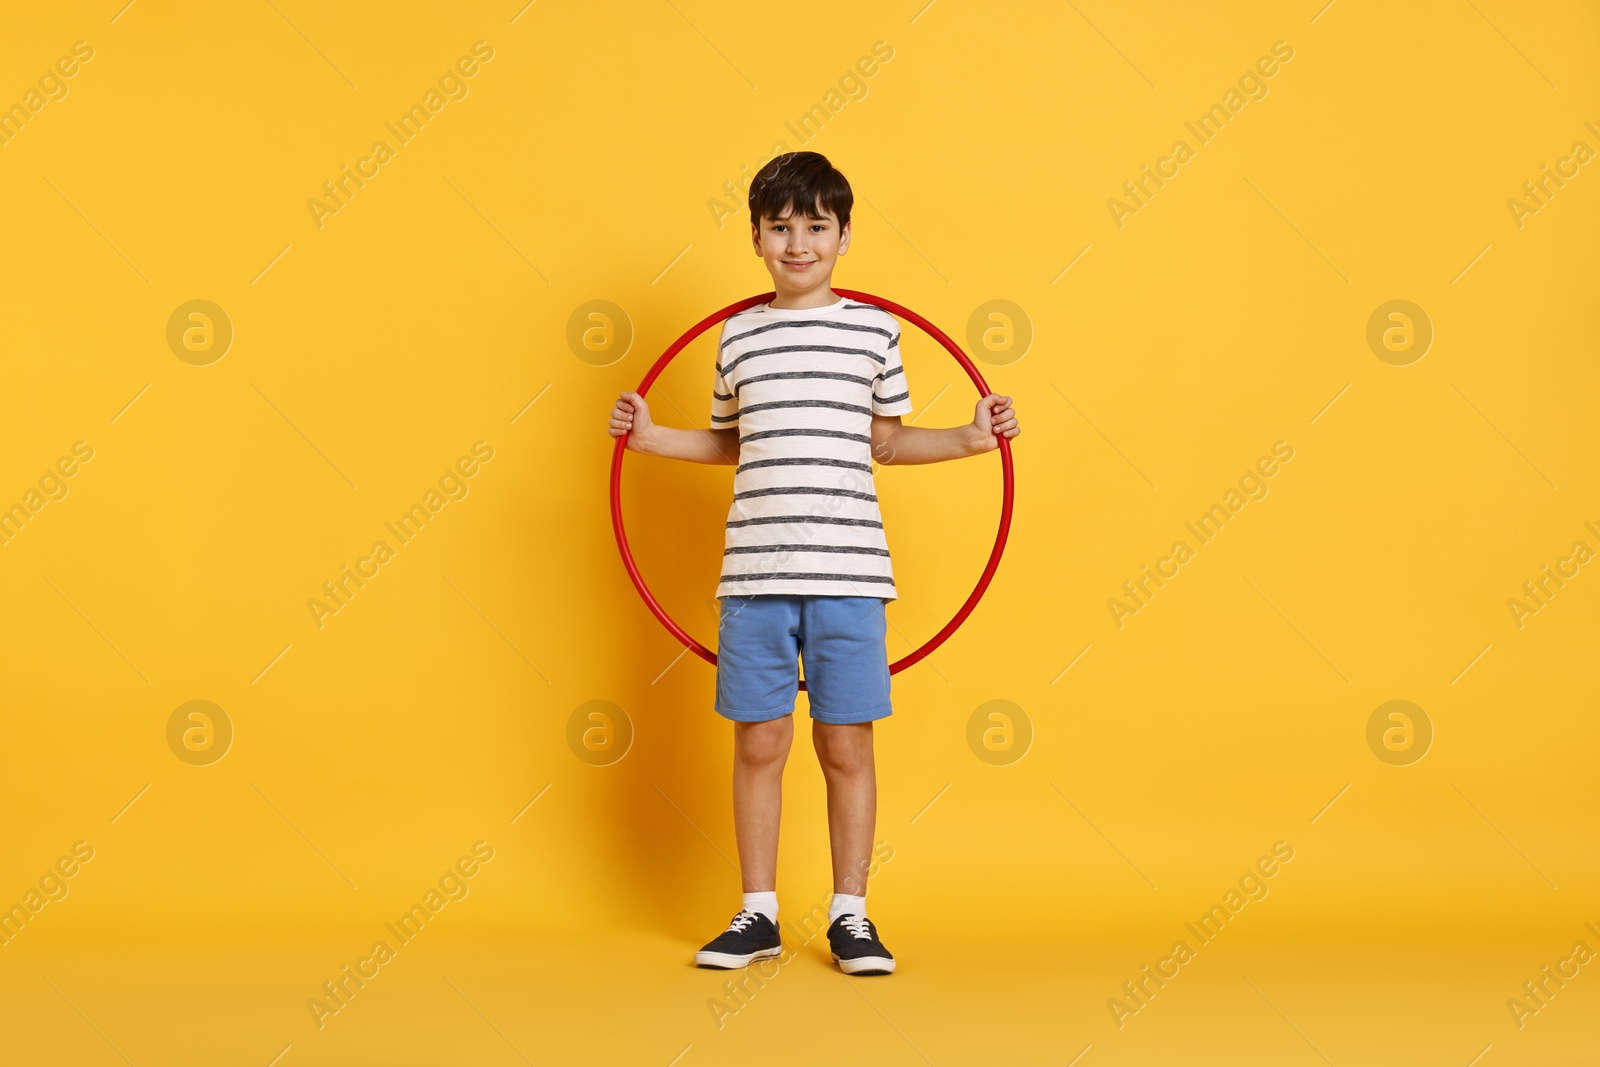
<point>808,391</point>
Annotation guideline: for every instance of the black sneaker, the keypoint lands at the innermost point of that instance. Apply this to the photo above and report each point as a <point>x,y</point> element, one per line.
<point>751,936</point>
<point>856,948</point>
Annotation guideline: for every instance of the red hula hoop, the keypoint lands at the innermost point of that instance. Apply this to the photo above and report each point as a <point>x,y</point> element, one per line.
<point>888,305</point>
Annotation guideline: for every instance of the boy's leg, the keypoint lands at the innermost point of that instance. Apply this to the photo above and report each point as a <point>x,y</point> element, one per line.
<point>845,752</point>
<point>760,750</point>
<point>757,674</point>
<point>847,677</point>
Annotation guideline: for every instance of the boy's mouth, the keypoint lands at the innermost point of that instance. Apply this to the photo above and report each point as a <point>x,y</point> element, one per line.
<point>801,266</point>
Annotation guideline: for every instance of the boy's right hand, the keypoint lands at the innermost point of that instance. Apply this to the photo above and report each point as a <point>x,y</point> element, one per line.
<point>631,416</point>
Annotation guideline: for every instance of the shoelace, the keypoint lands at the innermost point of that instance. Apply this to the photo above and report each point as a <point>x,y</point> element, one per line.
<point>857,925</point>
<point>742,920</point>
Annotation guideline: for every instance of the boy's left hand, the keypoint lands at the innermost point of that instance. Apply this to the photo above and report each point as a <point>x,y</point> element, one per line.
<point>994,417</point>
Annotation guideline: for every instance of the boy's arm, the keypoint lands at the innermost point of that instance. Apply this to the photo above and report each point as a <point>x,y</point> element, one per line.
<point>894,443</point>
<point>696,446</point>
<point>631,416</point>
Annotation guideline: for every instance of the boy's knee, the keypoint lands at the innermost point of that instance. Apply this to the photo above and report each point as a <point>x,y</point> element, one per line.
<point>843,749</point>
<point>761,744</point>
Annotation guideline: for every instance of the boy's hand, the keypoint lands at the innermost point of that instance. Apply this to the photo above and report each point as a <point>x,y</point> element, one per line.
<point>631,416</point>
<point>994,416</point>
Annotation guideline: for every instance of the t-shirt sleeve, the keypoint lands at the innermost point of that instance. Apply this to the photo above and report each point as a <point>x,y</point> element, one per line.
<point>724,405</point>
<point>890,395</point>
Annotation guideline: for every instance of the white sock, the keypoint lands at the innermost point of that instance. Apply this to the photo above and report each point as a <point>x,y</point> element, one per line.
<point>844,904</point>
<point>765,903</point>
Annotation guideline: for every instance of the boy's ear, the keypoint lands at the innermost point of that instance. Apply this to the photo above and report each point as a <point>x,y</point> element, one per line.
<point>844,239</point>
<point>755,237</point>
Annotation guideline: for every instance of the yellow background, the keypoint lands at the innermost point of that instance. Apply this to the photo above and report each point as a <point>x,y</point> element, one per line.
<point>369,354</point>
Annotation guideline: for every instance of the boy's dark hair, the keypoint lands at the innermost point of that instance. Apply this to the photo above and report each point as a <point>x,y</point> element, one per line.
<point>801,182</point>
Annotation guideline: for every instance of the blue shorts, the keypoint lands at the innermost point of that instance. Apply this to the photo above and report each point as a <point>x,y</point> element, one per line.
<point>841,639</point>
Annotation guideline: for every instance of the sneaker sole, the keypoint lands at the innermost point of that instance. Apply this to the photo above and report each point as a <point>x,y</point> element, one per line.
<point>727,962</point>
<point>866,965</point>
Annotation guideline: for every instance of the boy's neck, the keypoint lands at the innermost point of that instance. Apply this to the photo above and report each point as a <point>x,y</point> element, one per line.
<point>797,301</point>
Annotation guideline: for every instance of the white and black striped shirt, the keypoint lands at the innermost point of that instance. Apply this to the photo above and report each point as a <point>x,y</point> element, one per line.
<point>802,385</point>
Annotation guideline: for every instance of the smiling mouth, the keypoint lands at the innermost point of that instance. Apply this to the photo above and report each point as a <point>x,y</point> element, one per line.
<point>800,265</point>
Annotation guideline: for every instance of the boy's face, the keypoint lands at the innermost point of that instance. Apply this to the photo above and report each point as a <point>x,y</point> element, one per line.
<point>800,251</point>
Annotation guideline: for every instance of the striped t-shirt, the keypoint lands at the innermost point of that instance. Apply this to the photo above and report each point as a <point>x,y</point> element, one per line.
<point>802,385</point>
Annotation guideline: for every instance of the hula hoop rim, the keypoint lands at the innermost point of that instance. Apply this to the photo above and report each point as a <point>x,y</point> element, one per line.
<point>1008,475</point>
